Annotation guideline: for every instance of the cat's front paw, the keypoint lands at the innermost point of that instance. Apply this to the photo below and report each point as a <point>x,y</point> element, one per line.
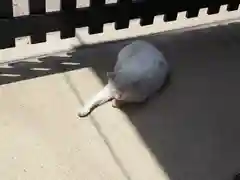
<point>117,103</point>
<point>114,103</point>
<point>83,112</point>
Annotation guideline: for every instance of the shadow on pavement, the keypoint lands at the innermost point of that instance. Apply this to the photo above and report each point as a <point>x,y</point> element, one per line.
<point>192,127</point>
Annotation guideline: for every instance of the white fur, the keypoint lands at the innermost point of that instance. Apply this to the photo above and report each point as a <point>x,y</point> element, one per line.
<point>139,72</point>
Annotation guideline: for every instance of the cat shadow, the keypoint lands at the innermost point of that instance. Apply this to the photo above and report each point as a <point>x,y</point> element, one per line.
<point>192,125</point>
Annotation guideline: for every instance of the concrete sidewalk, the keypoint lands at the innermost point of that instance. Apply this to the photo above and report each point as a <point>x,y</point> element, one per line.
<point>42,137</point>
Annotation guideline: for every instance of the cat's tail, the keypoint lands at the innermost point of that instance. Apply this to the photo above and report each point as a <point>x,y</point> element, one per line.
<point>100,98</point>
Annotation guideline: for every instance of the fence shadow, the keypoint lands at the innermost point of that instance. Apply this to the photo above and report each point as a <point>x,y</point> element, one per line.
<point>192,127</point>
<point>79,58</point>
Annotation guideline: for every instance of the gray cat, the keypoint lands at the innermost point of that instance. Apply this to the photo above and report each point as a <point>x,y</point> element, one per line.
<point>140,71</point>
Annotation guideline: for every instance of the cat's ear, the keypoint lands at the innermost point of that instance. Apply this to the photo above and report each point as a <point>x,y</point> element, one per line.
<point>111,75</point>
<point>118,96</point>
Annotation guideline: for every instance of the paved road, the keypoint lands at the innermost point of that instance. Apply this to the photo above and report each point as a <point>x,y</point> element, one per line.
<point>189,131</point>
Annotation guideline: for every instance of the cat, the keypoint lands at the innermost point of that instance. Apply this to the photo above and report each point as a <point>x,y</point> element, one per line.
<point>140,71</point>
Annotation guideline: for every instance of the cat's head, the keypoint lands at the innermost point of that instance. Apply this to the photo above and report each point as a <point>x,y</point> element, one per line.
<point>122,84</point>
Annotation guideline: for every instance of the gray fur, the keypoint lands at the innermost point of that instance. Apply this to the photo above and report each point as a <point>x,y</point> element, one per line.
<point>140,71</point>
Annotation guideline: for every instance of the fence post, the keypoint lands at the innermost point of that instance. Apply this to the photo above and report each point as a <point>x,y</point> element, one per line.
<point>68,29</point>
<point>123,16</point>
<point>6,36</point>
<point>37,7</point>
<point>96,16</point>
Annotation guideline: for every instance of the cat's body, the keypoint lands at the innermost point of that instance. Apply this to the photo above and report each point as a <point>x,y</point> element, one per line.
<point>140,71</point>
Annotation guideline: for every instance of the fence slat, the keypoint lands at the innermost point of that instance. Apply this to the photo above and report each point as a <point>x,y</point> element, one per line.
<point>192,13</point>
<point>213,9</point>
<point>123,16</point>
<point>68,6</point>
<point>170,16</point>
<point>147,17</point>
<point>96,16</point>
<point>233,6</point>
<point>37,7</point>
<point>6,11</point>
